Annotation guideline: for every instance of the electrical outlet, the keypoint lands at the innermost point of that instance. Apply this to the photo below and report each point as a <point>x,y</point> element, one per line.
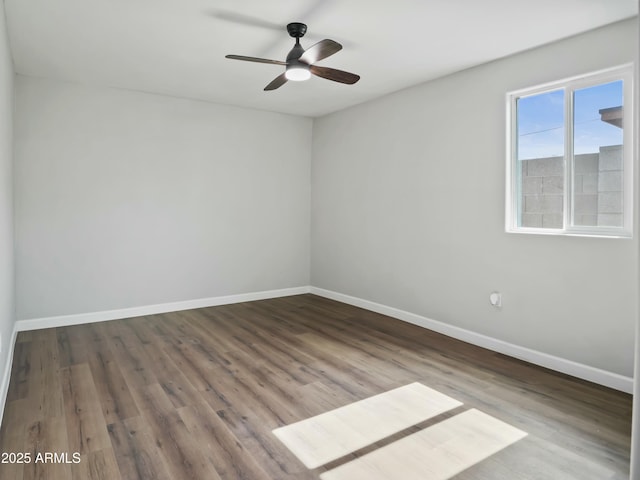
<point>495,299</point>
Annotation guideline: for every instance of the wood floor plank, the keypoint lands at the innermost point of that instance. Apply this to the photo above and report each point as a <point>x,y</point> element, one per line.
<point>97,465</point>
<point>514,464</point>
<point>196,394</point>
<point>230,459</point>
<point>19,386</point>
<point>266,342</point>
<point>194,329</point>
<point>263,446</point>
<point>195,363</point>
<point>245,394</point>
<point>113,392</point>
<point>266,387</point>
<point>44,380</point>
<point>71,347</point>
<point>86,426</point>
<point>137,454</point>
<point>135,365</point>
<point>174,383</point>
<point>183,457</point>
<point>12,436</point>
<point>44,437</point>
<point>319,397</point>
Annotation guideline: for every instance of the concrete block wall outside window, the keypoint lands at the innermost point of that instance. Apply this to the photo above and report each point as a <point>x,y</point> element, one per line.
<point>597,188</point>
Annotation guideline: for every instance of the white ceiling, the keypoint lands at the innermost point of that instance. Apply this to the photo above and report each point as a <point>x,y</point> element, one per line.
<point>177,47</point>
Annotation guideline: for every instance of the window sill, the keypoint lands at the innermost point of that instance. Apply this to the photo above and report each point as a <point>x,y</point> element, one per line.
<point>608,233</point>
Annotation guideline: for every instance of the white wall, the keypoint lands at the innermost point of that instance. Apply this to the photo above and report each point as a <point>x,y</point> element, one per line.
<point>408,202</point>
<point>7,309</point>
<point>126,199</point>
<point>7,271</point>
<point>635,429</point>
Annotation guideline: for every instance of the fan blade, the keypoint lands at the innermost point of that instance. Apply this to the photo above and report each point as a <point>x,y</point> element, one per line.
<point>245,20</point>
<point>276,82</point>
<point>322,49</point>
<point>254,59</point>
<point>334,74</point>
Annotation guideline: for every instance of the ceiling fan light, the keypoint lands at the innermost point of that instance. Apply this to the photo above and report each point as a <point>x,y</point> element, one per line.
<point>297,73</point>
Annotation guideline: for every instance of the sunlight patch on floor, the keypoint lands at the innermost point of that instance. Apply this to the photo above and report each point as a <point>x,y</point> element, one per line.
<point>438,452</point>
<point>334,434</point>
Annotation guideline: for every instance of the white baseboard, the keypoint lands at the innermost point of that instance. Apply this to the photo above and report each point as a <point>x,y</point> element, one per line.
<point>6,375</point>
<point>585,372</point>
<point>77,319</point>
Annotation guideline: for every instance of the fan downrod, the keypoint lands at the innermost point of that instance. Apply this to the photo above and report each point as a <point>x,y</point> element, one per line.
<point>296,29</point>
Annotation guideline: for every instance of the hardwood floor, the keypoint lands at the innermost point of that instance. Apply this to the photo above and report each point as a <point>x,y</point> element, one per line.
<point>196,395</point>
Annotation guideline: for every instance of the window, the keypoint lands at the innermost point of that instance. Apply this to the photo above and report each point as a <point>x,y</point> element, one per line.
<point>570,156</point>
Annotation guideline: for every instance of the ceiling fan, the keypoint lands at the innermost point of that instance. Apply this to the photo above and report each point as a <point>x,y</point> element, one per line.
<point>300,62</point>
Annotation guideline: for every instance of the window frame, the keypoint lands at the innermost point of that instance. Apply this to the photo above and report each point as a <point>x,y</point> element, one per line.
<point>569,86</point>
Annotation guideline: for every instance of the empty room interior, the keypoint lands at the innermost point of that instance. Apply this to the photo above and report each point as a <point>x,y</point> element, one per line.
<point>318,240</point>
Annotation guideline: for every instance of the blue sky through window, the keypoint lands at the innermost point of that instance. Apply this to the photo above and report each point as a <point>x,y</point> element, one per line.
<point>541,119</point>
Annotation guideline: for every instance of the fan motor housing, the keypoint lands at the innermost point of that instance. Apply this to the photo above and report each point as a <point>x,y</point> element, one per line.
<point>297,29</point>
<point>295,54</point>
